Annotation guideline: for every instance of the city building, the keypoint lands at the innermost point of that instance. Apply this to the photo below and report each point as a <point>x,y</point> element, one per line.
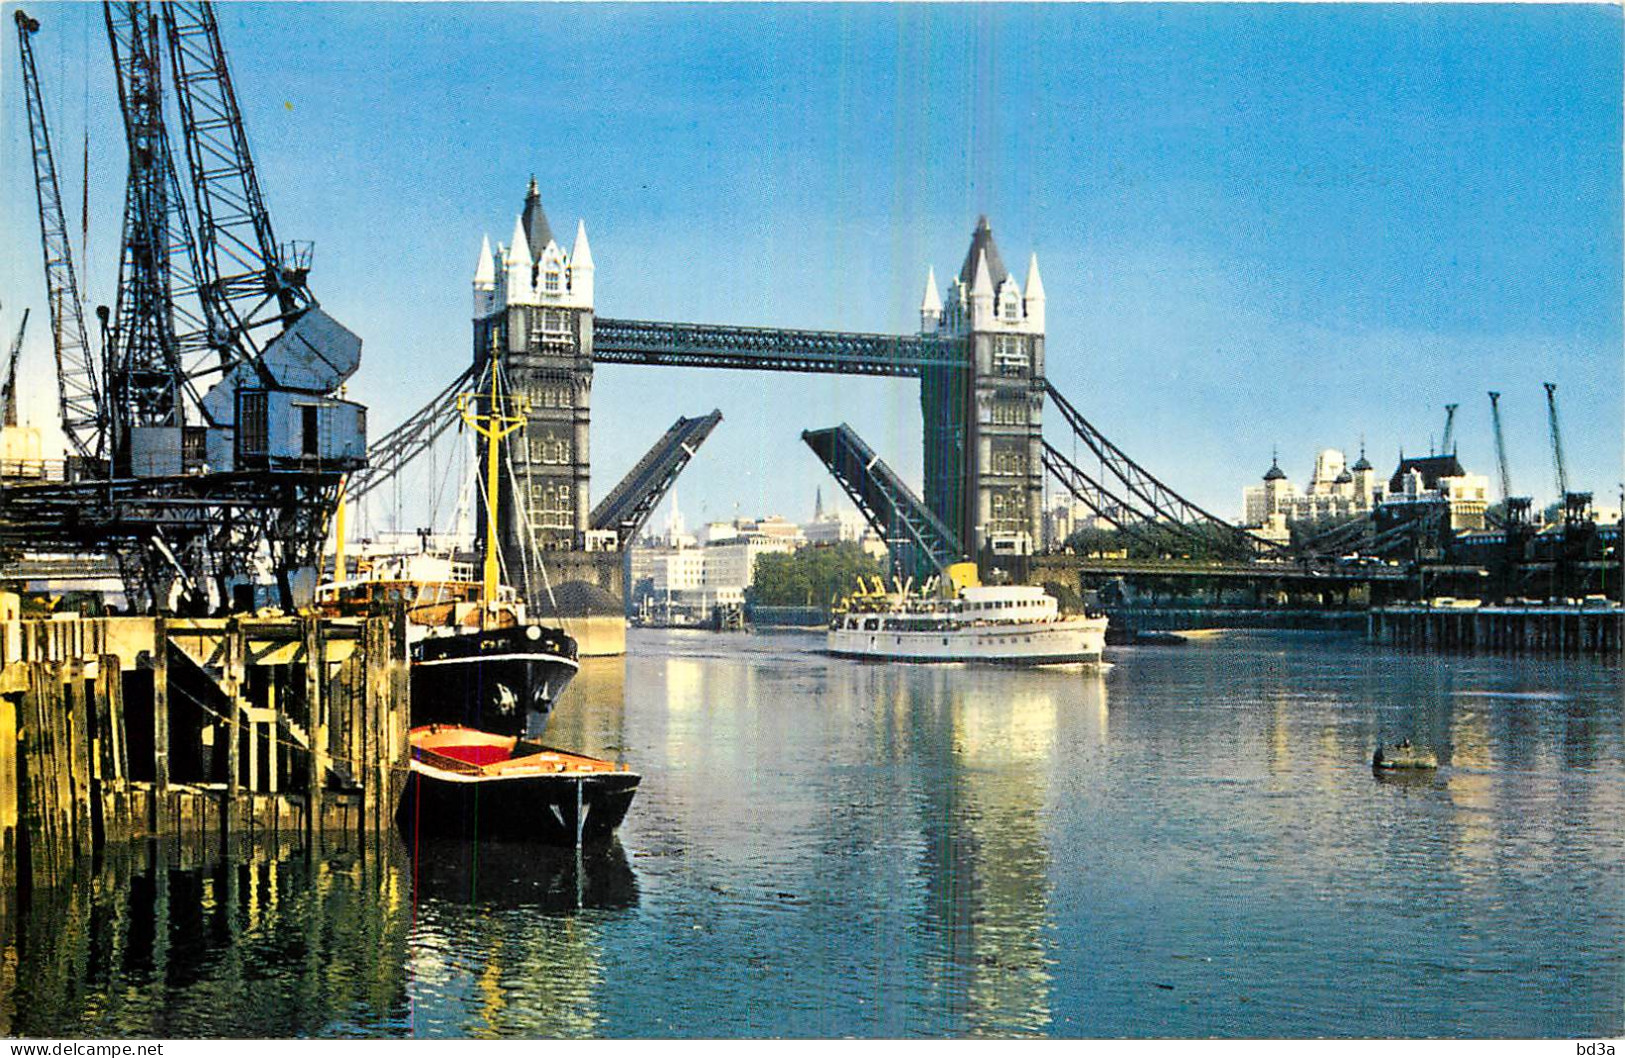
<point>1336,492</point>
<point>1435,479</point>
<point>773,527</point>
<point>1066,517</point>
<point>715,533</point>
<point>693,580</point>
<point>841,525</point>
<point>678,577</point>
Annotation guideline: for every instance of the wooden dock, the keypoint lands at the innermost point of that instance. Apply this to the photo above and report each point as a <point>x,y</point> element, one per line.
<point>1560,631</point>
<point>119,728</point>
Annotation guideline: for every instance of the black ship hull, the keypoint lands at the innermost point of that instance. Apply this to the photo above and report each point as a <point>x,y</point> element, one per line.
<point>561,809</point>
<point>502,680</point>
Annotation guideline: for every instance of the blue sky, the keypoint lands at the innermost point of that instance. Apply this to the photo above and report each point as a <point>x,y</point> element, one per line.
<point>1258,226</point>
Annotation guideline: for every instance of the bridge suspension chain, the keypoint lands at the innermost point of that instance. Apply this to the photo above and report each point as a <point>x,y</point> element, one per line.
<point>1354,534</point>
<point>1133,520</point>
<point>1157,502</point>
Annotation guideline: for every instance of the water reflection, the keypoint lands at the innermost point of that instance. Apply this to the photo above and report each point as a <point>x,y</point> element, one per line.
<point>508,939</point>
<point>875,835</point>
<point>1409,778</point>
<point>590,716</point>
<point>163,941</point>
<point>986,860</point>
<point>829,848</point>
<point>508,875</point>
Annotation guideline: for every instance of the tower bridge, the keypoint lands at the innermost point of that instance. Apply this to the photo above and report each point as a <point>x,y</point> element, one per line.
<point>979,356</point>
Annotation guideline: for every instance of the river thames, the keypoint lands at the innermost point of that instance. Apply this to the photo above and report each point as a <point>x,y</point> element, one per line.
<point>1187,842</point>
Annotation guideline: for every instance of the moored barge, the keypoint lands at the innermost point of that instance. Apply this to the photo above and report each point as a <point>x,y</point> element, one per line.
<point>472,784</point>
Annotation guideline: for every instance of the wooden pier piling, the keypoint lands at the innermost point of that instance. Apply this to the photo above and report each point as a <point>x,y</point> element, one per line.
<point>119,728</point>
<point>1558,631</point>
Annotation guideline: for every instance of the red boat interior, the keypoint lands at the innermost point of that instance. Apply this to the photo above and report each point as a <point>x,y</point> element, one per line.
<point>477,755</point>
<point>466,749</point>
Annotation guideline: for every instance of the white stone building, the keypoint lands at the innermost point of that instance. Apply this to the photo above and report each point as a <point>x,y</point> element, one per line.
<point>1336,492</point>
<point>842,526</point>
<point>677,574</point>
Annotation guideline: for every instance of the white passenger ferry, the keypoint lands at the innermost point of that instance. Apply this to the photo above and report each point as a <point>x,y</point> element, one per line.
<point>1008,625</point>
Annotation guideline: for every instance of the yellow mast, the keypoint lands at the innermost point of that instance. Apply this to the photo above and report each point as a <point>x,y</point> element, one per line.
<point>338,522</point>
<point>494,426</point>
<point>339,576</point>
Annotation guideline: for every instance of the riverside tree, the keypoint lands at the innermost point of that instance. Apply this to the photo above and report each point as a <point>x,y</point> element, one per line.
<point>812,576</point>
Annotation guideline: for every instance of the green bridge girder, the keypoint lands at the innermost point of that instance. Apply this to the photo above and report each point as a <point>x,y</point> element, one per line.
<point>771,348</point>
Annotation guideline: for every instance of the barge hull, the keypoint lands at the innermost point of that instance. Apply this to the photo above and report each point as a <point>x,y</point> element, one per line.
<point>529,807</point>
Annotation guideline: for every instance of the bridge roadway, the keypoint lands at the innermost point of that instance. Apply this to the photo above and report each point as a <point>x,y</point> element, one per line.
<point>773,348</point>
<point>1301,573</point>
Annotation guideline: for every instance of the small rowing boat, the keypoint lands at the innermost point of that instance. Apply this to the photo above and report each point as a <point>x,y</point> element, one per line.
<point>469,783</point>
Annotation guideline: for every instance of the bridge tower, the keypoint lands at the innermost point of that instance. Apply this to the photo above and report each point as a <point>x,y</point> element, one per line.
<point>984,418</point>
<point>533,304</point>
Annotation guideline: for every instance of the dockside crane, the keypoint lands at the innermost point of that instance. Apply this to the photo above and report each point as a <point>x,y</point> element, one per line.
<point>79,389</point>
<point>273,344</point>
<point>157,325</point>
<point>1515,517</point>
<point>273,410</point>
<point>8,392</point>
<point>1558,465</point>
<point>1449,428</point>
<point>1500,447</point>
<point>218,434</point>
<point>247,284</point>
